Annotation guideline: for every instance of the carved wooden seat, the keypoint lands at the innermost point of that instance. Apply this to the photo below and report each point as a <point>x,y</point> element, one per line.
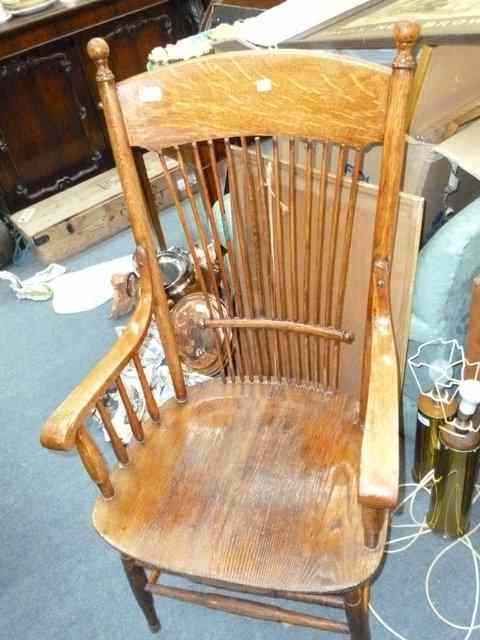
<point>277,478</point>
<point>227,471</point>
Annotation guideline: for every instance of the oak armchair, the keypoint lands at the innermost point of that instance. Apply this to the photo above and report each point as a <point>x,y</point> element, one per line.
<point>274,478</point>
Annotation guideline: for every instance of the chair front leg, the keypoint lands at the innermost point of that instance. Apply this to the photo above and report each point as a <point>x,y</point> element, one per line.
<point>137,579</point>
<point>356,608</point>
<point>373,520</point>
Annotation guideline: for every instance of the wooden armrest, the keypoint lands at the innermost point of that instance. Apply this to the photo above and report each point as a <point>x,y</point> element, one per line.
<point>379,464</point>
<point>59,432</point>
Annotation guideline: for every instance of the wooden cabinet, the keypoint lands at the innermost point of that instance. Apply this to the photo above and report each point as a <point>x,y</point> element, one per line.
<point>49,126</point>
<point>52,134</point>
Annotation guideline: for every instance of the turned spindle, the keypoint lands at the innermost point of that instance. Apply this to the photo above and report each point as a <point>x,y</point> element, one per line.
<point>94,462</point>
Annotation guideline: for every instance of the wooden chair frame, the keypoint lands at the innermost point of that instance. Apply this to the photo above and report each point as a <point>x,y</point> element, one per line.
<point>379,465</point>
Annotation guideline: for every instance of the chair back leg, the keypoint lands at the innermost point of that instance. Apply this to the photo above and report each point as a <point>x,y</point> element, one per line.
<point>356,608</point>
<point>137,579</point>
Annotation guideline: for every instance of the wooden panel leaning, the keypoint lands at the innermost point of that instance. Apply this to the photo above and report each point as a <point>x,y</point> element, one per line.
<point>306,469</point>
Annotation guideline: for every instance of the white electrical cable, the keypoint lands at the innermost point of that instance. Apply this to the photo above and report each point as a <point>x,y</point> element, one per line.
<point>423,525</point>
<point>421,530</point>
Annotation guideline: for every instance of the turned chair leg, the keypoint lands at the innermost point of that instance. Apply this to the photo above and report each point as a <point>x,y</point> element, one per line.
<point>356,608</point>
<point>137,579</point>
<point>373,520</point>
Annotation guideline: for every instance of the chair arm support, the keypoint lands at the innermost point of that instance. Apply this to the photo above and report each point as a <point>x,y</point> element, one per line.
<point>379,463</point>
<point>59,432</point>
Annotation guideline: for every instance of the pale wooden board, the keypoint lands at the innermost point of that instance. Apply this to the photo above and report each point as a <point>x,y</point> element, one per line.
<point>450,88</point>
<point>66,223</point>
<point>462,148</point>
<point>78,199</point>
<point>404,265</point>
<point>69,237</point>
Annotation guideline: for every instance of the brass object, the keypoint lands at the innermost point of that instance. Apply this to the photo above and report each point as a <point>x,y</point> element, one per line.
<point>430,415</point>
<point>456,469</point>
<point>200,348</point>
<point>125,293</point>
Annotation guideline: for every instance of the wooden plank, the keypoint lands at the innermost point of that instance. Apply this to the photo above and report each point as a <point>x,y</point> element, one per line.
<point>446,91</point>
<point>92,193</point>
<point>68,222</point>
<point>423,62</point>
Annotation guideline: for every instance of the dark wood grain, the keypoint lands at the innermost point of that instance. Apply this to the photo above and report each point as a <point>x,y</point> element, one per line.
<point>48,85</point>
<point>38,134</point>
<point>356,607</point>
<point>137,580</point>
<point>59,21</point>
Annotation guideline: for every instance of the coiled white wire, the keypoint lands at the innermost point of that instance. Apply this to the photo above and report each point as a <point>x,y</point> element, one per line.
<point>422,529</point>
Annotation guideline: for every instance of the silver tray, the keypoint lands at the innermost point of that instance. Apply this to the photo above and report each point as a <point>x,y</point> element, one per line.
<point>176,270</point>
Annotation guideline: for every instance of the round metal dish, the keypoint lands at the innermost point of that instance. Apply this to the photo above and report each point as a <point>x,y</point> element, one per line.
<point>177,272</point>
<point>197,344</point>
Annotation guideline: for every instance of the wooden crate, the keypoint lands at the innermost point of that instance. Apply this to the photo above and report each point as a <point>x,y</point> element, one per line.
<point>66,223</point>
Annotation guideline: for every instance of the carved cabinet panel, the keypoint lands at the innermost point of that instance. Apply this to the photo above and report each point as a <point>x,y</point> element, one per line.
<point>52,133</point>
<point>130,39</point>
<point>47,121</point>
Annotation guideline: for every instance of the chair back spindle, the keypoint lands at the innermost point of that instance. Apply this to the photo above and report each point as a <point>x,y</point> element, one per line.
<point>119,449</point>
<point>278,244</point>
<point>94,462</point>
